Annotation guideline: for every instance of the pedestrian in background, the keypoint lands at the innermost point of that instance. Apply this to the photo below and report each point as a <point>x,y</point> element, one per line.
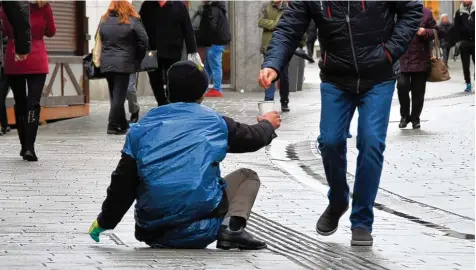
<point>311,38</point>
<point>414,68</point>
<point>270,14</point>
<point>463,34</point>
<point>29,74</point>
<point>124,44</point>
<point>356,72</point>
<point>214,33</point>
<point>134,107</point>
<point>444,30</point>
<point>4,89</point>
<point>168,25</point>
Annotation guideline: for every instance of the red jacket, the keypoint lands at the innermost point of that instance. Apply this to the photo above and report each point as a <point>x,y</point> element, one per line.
<point>42,24</point>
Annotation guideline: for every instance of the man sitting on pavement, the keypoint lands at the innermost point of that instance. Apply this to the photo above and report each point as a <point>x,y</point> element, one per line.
<point>170,165</point>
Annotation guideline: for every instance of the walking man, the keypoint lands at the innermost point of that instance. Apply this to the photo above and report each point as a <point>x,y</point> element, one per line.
<point>214,32</point>
<point>360,41</point>
<point>168,25</point>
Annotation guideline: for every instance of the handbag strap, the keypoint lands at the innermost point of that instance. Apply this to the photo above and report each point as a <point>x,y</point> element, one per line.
<point>436,45</point>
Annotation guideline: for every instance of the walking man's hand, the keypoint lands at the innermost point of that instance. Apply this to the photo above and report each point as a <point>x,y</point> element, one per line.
<point>273,118</point>
<point>266,77</point>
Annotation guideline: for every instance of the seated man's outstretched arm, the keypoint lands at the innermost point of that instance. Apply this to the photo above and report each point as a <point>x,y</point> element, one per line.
<point>244,138</point>
<point>121,193</point>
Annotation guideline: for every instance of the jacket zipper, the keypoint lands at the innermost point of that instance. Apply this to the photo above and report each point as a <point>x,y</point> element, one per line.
<point>347,19</point>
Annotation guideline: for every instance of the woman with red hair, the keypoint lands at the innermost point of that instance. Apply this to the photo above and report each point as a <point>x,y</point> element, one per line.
<point>124,44</point>
<point>29,74</point>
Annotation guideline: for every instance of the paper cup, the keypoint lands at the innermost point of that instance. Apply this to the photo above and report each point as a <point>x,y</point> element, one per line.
<point>266,107</point>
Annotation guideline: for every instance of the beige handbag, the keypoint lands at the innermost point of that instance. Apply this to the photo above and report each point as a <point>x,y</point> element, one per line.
<point>438,71</point>
<point>97,48</point>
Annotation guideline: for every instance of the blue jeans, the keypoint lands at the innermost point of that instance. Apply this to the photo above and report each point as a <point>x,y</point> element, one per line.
<point>283,87</point>
<point>213,65</point>
<point>337,110</point>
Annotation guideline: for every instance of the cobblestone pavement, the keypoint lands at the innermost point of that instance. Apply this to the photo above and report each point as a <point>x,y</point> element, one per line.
<point>424,211</point>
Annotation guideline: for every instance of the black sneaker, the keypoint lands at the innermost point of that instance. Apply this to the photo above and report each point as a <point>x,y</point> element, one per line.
<point>329,220</point>
<point>403,123</point>
<point>134,117</point>
<point>361,238</point>
<point>241,239</point>
<point>416,124</point>
<point>285,108</point>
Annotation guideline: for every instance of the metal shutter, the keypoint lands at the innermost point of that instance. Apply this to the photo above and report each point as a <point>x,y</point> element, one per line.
<point>65,40</point>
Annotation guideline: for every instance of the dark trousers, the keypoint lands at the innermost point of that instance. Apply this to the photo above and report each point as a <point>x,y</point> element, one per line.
<point>310,48</point>
<point>414,82</point>
<point>337,110</point>
<point>446,54</point>
<point>118,84</point>
<point>467,51</point>
<point>4,87</point>
<point>158,78</point>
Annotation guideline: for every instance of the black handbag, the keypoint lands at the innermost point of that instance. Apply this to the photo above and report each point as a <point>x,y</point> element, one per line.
<point>149,62</point>
<point>93,72</point>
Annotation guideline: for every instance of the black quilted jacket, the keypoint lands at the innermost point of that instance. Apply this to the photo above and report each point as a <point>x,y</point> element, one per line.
<point>354,37</point>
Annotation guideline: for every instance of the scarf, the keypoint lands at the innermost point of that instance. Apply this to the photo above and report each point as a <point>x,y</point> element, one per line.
<point>466,9</point>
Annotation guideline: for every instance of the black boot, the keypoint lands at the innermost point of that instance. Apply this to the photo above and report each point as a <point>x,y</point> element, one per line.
<point>284,106</point>
<point>134,117</point>
<point>403,123</point>
<point>31,129</point>
<point>416,124</point>
<point>228,239</point>
<point>20,116</point>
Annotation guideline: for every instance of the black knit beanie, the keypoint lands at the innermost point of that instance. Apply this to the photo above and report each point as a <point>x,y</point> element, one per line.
<point>187,82</point>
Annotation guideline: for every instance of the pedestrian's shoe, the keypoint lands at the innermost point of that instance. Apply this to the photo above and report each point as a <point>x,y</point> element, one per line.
<point>241,239</point>
<point>31,130</point>
<point>213,93</point>
<point>329,220</point>
<point>403,123</point>
<point>361,238</point>
<point>416,124</point>
<point>285,107</point>
<point>5,130</point>
<point>134,117</point>
<point>116,131</point>
<point>20,116</point>
<point>468,88</point>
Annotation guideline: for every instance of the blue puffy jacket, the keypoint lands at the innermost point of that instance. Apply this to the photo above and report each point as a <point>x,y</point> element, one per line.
<point>180,174</point>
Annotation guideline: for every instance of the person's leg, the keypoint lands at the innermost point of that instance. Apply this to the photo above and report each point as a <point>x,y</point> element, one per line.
<point>465,51</point>
<point>374,113</point>
<point>18,85</point>
<point>403,86</point>
<point>216,65</point>
<point>35,83</point>
<point>207,66</point>
<point>134,107</point>
<point>117,115</point>
<point>3,109</point>
<point>337,109</point>
<point>241,191</point>
<point>418,87</point>
<point>157,83</point>
<point>310,49</point>
<point>284,88</point>
<point>446,55</point>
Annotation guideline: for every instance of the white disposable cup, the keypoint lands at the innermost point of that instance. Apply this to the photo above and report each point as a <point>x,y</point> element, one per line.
<point>266,107</point>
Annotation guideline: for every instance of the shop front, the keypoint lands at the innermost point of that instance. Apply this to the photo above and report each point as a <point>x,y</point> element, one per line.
<point>66,91</point>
